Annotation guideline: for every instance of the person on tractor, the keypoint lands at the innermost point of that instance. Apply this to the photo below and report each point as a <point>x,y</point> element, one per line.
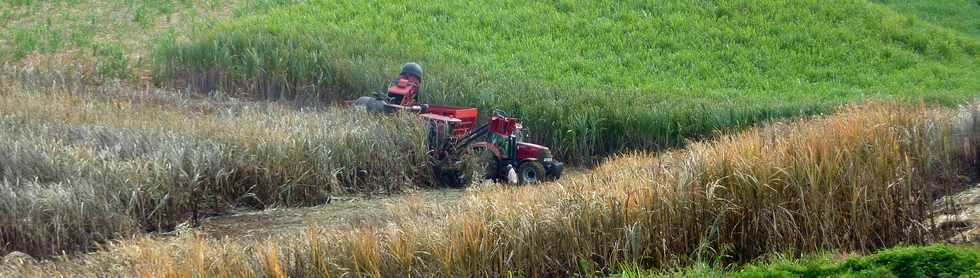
<point>405,91</point>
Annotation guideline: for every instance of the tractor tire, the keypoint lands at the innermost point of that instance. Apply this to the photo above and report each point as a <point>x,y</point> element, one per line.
<point>530,172</point>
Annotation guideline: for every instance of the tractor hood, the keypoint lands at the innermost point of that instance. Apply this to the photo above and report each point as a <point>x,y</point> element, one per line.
<point>531,146</point>
<point>529,150</point>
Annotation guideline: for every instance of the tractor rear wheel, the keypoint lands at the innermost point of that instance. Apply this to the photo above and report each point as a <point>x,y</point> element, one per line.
<point>530,172</point>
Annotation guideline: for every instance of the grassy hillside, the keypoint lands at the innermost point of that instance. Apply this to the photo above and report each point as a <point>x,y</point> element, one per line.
<point>959,15</point>
<point>108,38</point>
<point>590,77</point>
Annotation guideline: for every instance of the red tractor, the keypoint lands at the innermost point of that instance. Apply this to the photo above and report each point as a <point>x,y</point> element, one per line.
<point>497,147</point>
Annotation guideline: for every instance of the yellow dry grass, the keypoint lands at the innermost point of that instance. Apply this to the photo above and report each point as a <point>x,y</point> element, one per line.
<point>856,181</point>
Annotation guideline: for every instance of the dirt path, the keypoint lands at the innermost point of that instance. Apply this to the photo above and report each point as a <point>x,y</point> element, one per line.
<point>337,214</point>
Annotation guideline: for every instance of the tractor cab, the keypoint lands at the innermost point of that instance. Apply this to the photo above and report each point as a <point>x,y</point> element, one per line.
<point>506,134</point>
<point>533,162</point>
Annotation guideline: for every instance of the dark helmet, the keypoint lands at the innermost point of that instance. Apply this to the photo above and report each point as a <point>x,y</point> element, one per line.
<point>412,69</point>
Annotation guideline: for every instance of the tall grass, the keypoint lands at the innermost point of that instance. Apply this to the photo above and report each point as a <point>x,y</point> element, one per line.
<point>856,181</point>
<point>83,164</point>
<point>959,15</point>
<point>589,78</point>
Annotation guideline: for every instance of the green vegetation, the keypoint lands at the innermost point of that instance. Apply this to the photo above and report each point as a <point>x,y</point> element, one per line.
<point>920,261</point>
<point>959,15</point>
<point>932,261</point>
<point>590,78</point>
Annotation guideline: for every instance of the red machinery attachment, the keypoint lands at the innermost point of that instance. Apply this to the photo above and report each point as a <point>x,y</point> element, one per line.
<point>401,95</point>
<point>466,117</point>
<point>404,91</point>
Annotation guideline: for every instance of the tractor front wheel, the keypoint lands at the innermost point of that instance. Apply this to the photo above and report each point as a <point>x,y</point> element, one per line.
<point>530,172</point>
